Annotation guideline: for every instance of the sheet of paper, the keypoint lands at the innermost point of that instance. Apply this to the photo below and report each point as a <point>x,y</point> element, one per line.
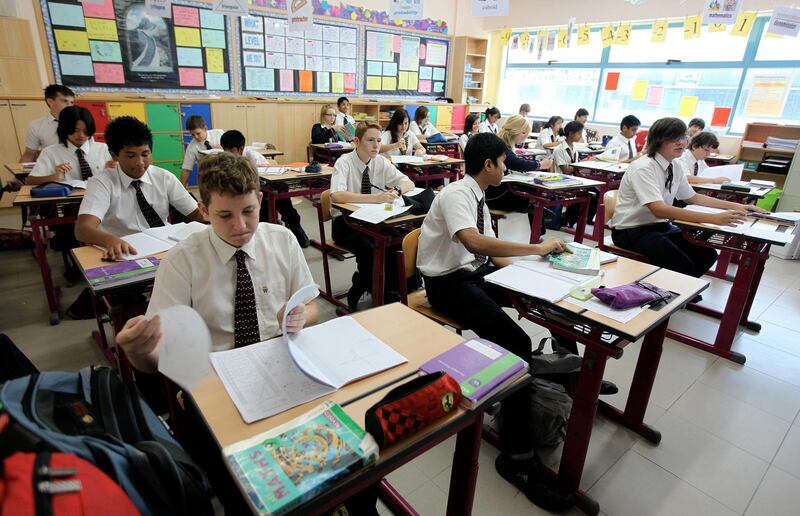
<point>407,159</point>
<point>377,213</point>
<point>303,295</point>
<point>146,245</point>
<point>262,379</point>
<point>535,283</point>
<point>187,230</point>
<point>595,305</point>
<point>164,232</point>
<point>732,172</point>
<point>185,345</point>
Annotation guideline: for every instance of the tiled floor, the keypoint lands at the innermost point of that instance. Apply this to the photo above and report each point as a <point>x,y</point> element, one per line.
<point>731,434</point>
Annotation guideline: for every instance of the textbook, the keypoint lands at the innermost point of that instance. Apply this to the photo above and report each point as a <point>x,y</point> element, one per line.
<point>480,367</point>
<point>556,180</point>
<point>582,260</point>
<point>286,466</point>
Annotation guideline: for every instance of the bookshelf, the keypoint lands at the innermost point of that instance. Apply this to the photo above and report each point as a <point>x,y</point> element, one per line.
<point>751,154</point>
<point>469,70</point>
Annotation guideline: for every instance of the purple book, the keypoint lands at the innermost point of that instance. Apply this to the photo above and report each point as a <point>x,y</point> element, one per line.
<point>479,366</point>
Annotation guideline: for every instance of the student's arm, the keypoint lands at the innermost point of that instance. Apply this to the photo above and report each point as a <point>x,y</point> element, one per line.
<point>396,179</point>
<point>46,170</point>
<point>189,159</point>
<point>140,339</point>
<point>31,152</point>
<point>179,197</point>
<point>87,230</point>
<point>413,141</point>
<point>349,197</point>
<point>698,180</point>
<point>386,146</point>
<point>552,145</point>
<point>496,248</point>
<point>726,218</point>
<point>712,202</point>
<point>29,156</point>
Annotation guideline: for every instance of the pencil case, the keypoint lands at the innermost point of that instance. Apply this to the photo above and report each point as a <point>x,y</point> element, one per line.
<point>51,191</point>
<point>631,295</point>
<point>409,408</point>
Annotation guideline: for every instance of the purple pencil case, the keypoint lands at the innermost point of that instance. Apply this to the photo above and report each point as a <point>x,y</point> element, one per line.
<point>630,295</point>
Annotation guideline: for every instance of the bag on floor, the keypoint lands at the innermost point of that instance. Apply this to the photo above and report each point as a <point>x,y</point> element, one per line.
<point>550,408</point>
<point>560,366</point>
<point>95,416</point>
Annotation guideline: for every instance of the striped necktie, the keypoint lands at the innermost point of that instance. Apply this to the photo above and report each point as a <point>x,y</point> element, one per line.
<point>366,184</point>
<point>668,182</point>
<point>696,167</point>
<point>479,257</point>
<point>207,144</point>
<point>630,149</point>
<point>150,215</point>
<point>86,170</point>
<point>245,313</point>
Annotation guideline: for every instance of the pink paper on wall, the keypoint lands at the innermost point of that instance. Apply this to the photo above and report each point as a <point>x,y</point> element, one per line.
<point>424,86</point>
<point>422,51</point>
<point>185,16</point>
<point>108,73</point>
<point>104,9</point>
<point>396,42</point>
<point>349,83</point>
<point>287,80</point>
<point>654,95</point>
<point>191,77</point>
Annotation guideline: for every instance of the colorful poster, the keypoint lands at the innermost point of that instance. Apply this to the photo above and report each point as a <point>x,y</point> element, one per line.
<point>722,116</point>
<point>721,11</point>
<point>231,7</point>
<point>612,81</point>
<point>639,90</point>
<point>767,95</point>
<point>654,95</point>
<point>409,53</point>
<point>436,54</point>
<point>688,105</point>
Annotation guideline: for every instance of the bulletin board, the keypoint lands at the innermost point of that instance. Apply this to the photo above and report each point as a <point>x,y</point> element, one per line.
<point>114,44</point>
<point>274,60</point>
<point>405,64</point>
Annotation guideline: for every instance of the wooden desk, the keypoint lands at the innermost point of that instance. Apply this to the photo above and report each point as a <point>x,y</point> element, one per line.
<point>430,170</point>
<point>402,329</point>
<point>608,173</point>
<point>386,234</point>
<point>18,170</point>
<point>331,154</point>
<point>719,159</point>
<point>270,153</point>
<point>292,184</point>
<point>606,338</point>
<point>715,190</point>
<point>449,148</point>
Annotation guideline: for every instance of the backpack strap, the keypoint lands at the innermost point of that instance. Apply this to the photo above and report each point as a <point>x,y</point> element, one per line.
<point>557,349</point>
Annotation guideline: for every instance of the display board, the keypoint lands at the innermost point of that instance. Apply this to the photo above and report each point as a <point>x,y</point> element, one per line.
<point>115,44</point>
<point>405,64</point>
<point>274,60</point>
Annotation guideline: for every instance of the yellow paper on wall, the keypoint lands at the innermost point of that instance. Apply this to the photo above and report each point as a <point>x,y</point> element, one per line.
<point>688,105</point>
<point>102,29</point>
<point>607,35</point>
<point>389,84</point>
<point>770,35</point>
<point>413,80</point>
<point>583,34</point>
<point>659,31</point>
<point>717,27</point>
<point>187,37</point>
<point>373,83</point>
<point>71,40</point>
<point>505,35</point>
<point>744,23</point>
<point>403,82</point>
<point>561,42</point>
<point>691,27</point>
<point>623,35</point>
<point>337,82</point>
<point>214,60</point>
<point>524,39</point>
<point>639,90</point>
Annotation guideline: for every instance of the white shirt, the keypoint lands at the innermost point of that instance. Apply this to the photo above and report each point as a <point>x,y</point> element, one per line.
<point>645,182</point>
<point>428,130</point>
<point>349,168</point>
<point>95,153</point>
<point>111,198</point>
<point>411,142</point>
<point>344,119</point>
<point>564,155</point>
<point>584,136</point>
<point>201,272</point>
<point>42,132</point>
<point>454,208</point>
<point>462,141</point>
<point>625,146</point>
<point>255,159</point>
<point>486,127</point>
<point>193,154</point>
<point>688,162</point>
<point>546,136</point>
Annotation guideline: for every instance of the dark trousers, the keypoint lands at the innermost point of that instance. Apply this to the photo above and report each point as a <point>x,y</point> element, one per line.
<point>499,198</point>
<point>665,246</point>
<point>288,214</point>
<point>477,305</point>
<point>362,246</point>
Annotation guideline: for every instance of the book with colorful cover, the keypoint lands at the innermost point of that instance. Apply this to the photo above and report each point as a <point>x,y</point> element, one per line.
<point>581,259</point>
<point>480,367</point>
<point>283,468</point>
<point>556,180</point>
<point>118,272</point>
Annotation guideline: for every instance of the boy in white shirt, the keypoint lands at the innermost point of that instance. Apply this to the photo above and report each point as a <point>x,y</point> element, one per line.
<point>628,128</point>
<point>42,131</point>
<point>457,248</point>
<point>421,126</point>
<point>641,220</point>
<point>696,125</point>
<point>133,196</point>
<point>701,146</point>
<point>364,176</point>
<point>233,141</point>
<point>202,139</point>
<point>343,117</point>
<point>489,125</point>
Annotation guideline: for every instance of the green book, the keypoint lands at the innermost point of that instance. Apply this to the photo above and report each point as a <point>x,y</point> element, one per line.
<point>283,468</point>
<point>582,260</point>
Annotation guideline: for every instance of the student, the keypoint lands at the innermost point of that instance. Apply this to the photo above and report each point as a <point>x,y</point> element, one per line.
<point>457,249</point>
<point>326,130</point>
<point>202,139</point>
<point>133,196</point>
<point>42,131</point>
<point>364,176</point>
<point>489,125</point>
<point>549,135</point>
<point>234,142</point>
<point>343,117</point>
<point>565,156</point>
<point>641,220</point>
<point>695,126</point>
<point>628,128</point>
<point>471,124</point>
<point>701,146</point>
<point>582,115</point>
<point>422,127</point>
<point>77,156</point>
<point>396,140</point>
<point>525,110</point>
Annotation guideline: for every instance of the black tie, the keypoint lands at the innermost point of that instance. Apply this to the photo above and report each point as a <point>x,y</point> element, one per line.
<point>668,182</point>
<point>245,315</point>
<point>481,258</point>
<point>150,215</point>
<point>208,145</point>
<point>569,153</point>
<point>86,170</point>
<point>696,167</point>
<point>630,150</point>
<point>366,184</point>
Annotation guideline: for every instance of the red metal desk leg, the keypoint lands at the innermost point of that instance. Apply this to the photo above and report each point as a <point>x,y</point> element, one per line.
<point>38,227</point>
<point>583,215</point>
<point>378,273</point>
<point>756,281</point>
<point>464,476</point>
<point>536,224</point>
<point>272,214</point>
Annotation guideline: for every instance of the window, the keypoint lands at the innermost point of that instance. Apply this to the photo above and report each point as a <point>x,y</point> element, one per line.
<point>641,49</point>
<point>560,86</point>
<point>772,48</point>
<point>519,54</point>
<point>769,95</point>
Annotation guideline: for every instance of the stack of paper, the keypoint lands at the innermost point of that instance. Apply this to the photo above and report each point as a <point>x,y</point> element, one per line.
<point>377,213</point>
<point>774,142</point>
<point>407,159</point>
<point>731,172</point>
<point>534,277</point>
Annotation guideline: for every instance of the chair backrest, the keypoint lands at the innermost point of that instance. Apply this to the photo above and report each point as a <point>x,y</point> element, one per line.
<point>409,246</point>
<point>325,203</point>
<point>610,202</point>
<point>640,139</point>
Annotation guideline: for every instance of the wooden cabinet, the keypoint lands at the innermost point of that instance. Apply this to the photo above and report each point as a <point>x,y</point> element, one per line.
<point>19,69</point>
<point>9,152</point>
<point>752,152</point>
<point>24,112</point>
<point>469,70</point>
<point>99,113</point>
<point>134,109</point>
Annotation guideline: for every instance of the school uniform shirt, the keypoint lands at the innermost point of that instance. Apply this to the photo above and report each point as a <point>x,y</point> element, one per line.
<point>348,169</point>
<point>454,208</point>
<point>42,132</point>
<point>463,139</point>
<point>564,155</point>
<point>201,272</point>
<point>411,142</point>
<point>546,136</point>
<point>111,198</point>
<point>643,183</point>
<point>428,130</point>
<point>627,147</point>
<point>95,153</point>
<point>344,119</point>
<point>193,154</point>
<point>255,159</point>
<point>486,127</point>
<point>584,136</point>
<point>691,165</point>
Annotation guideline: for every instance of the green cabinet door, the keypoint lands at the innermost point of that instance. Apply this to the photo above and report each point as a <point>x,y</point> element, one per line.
<point>167,147</point>
<point>172,166</point>
<point>432,110</point>
<point>163,116</point>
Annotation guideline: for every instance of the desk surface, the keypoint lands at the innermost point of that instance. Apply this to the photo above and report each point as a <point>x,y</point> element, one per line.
<point>527,181</point>
<point>322,146</point>
<point>755,191</point>
<point>24,197</point>
<point>430,163</point>
<point>294,176</point>
<point>406,218</point>
<point>89,257</point>
<point>270,153</point>
<point>786,230</point>
<point>603,166</point>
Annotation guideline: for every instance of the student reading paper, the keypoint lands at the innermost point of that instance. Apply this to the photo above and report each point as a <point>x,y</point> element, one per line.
<point>549,137</point>
<point>701,146</point>
<point>202,139</point>
<point>42,131</point>
<point>422,126</point>
<point>625,139</point>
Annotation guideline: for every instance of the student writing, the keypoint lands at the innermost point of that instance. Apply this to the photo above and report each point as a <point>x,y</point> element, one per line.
<point>42,132</point>
<point>701,146</point>
<point>565,157</point>
<point>548,136</point>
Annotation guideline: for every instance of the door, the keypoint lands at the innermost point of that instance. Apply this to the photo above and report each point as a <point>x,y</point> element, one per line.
<point>99,113</point>
<point>163,117</point>
<point>134,109</point>
<point>23,113</point>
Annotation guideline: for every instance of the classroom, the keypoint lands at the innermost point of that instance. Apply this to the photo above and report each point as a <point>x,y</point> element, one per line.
<point>400,257</point>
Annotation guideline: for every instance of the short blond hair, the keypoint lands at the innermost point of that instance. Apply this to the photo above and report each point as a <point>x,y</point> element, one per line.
<point>225,173</point>
<point>362,127</point>
<point>324,110</point>
<point>512,127</point>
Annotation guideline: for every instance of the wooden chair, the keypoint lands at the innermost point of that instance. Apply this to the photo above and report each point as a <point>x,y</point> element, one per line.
<point>329,247</point>
<point>496,216</point>
<point>607,244</point>
<point>417,300</point>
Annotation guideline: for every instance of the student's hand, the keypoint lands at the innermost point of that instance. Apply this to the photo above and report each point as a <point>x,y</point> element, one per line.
<point>296,319</point>
<point>419,152</point>
<point>111,164</point>
<point>139,337</point>
<point>62,169</point>
<point>546,164</point>
<point>754,208</point>
<point>389,196</point>
<point>117,248</point>
<point>728,218</point>
<point>553,245</point>
<point>399,144</point>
